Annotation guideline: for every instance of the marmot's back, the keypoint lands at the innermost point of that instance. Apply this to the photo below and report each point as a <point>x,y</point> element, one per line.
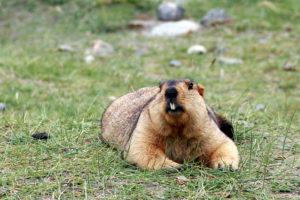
<point>120,117</point>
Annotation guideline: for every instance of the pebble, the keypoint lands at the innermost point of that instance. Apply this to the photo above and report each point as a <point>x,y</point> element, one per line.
<point>89,58</point>
<point>141,52</point>
<point>181,180</point>
<point>179,28</point>
<point>112,98</point>
<point>260,107</point>
<point>196,49</point>
<point>215,17</point>
<point>170,11</point>
<point>2,107</point>
<point>232,61</point>
<point>175,63</point>
<point>289,66</point>
<point>99,48</point>
<point>65,47</point>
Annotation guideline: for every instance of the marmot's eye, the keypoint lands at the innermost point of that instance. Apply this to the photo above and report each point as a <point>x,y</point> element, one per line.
<point>191,86</point>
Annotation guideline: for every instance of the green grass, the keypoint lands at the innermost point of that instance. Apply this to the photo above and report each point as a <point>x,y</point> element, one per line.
<point>57,92</point>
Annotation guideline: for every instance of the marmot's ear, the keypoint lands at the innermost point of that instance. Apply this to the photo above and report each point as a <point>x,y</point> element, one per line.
<point>201,90</point>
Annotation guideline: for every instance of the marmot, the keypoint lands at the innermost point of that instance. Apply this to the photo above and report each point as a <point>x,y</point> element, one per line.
<point>163,126</point>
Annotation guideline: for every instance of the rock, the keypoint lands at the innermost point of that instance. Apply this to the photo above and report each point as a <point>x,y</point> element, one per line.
<point>181,180</point>
<point>139,24</point>
<point>196,49</point>
<point>41,136</point>
<point>112,98</point>
<point>260,107</point>
<point>65,47</point>
<point>170,11</point>
<point>215,17</point>
<point>99,48</point>
<point>231,61</point>
<point>289,66</point>
<point>141,52</point>
<point>2,107</point>
<point>89,58</point>
<point>179,28</point>
<point>175,63</point>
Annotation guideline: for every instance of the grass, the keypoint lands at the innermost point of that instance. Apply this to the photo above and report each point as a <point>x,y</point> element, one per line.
<point>57,92</point>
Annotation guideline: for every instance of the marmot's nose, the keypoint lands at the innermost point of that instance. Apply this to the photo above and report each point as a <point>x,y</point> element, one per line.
<point>171,92</point>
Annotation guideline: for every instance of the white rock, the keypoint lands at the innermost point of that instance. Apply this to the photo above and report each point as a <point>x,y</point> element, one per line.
<point>65,47</point>
<point>112,98</point>
<point>230,60</point>
<point>89,58</point>
<point>260,107</point>
<point>179,28</point>
<point>175,63</point>
<point>99,48</point>
<point>196,49</point>
<point>181,180</point>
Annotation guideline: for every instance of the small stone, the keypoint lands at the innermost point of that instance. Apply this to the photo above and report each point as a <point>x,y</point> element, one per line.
<point>231,61</point>
<point>215,17</point>
<point>99,48</point>
<point>141,52</point>
<point>260,107</point>
<point>112,98</point>
<point>289,66</point>
<point>41,136</point>
<point>196,49</point>
<point>170,11</point>
<point>175,63</point>
<point>65,47</point>
<point>2,107</point>
<point>179,28</point>
<point>89,58</point>
<point>181,180</point>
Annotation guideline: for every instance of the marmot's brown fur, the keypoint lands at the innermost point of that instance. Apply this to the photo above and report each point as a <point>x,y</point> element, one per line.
<point>161,127</point>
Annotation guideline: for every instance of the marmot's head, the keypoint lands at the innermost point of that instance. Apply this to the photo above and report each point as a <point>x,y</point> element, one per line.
<point>181,97</point>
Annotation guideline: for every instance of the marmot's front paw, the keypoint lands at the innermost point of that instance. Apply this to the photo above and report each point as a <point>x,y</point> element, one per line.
<point>227,163</point>
<point>225,156</point>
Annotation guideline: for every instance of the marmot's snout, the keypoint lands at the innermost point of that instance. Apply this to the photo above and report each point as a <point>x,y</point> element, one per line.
<point>172,105</point>
<point>171,92</point>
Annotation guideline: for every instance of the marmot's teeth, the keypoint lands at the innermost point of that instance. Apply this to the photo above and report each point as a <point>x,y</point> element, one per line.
<point>172,106</point>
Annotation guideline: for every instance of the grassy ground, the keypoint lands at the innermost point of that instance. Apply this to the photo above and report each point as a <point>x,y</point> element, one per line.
<point>57,92</point>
